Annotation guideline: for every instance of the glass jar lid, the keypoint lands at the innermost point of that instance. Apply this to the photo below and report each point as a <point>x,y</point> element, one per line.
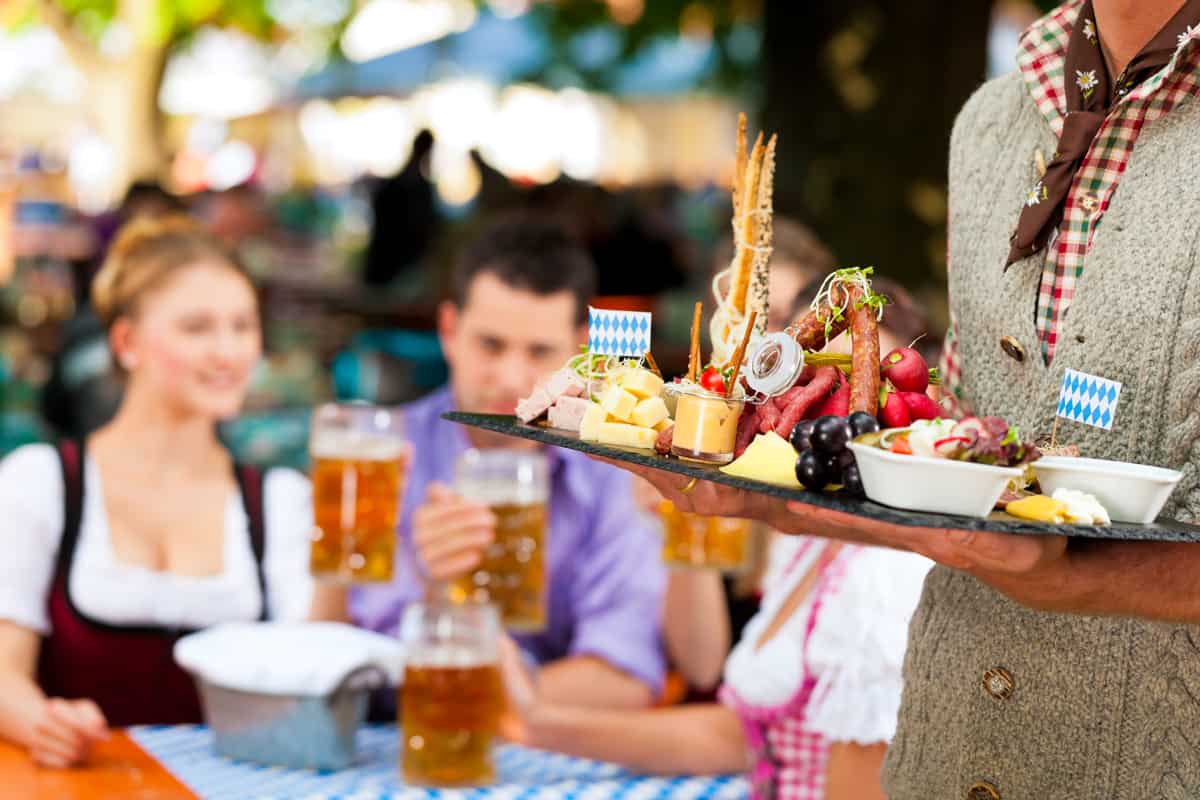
<point>774,365</point>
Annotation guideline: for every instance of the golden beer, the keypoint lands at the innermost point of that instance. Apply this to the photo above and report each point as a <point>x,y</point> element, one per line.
<point>690,540</point>
<point>512,575</point>
<point>452,697</point>
<point>358,477</point>
<point>514,484</point>
<point>450,715</point>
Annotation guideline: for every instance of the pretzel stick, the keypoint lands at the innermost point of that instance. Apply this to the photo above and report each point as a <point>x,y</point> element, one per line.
<point>653,367</point>
<point>740,353</point>
<point>694,354</point>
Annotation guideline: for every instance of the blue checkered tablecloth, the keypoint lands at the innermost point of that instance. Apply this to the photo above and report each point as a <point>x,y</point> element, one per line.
<point>524,774</point>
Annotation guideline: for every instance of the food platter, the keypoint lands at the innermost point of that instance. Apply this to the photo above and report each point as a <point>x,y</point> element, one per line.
<point>1164,530</point>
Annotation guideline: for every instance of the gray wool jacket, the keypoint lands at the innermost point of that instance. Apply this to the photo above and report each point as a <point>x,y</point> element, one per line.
<point>1084,708</point>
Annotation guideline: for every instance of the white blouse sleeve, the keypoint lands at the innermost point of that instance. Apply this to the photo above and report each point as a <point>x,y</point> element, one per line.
<point>287,508</point>
<point>31,520</point>
<point>856,651</point>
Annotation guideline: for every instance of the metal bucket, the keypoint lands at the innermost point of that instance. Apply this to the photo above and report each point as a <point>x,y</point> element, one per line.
<point>298,732</point>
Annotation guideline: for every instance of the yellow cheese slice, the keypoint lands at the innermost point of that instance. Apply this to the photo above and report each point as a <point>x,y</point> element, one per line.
<point>618,403</point>
<point>641,382</point>
<point>619,433</point>
<point>593,418</point>
<point>649,412</point>
<point>770,459</point>
<point>1039,508</point>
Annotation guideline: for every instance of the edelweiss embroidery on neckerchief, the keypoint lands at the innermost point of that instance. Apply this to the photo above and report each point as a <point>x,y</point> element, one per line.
<point>1087,82</point>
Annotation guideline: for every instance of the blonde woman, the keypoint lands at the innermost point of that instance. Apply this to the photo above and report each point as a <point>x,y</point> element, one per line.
<point>810,694</point>
<point>116,545</point>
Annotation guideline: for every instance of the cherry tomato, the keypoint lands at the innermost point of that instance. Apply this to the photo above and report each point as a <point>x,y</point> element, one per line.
<point>713,380</point>
<point>900,445</point>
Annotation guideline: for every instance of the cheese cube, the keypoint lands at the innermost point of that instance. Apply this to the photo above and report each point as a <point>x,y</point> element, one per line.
<point>623,435</point>
<point>666,423</point>
<point>593,418</point>
<point>642,383</point>
<point>618,403</point>
<point>650,412</point>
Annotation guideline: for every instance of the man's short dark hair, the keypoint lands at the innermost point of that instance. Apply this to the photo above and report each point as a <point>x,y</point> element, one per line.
<point>531,254</point>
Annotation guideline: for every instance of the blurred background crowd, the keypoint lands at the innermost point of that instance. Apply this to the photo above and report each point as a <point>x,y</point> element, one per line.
<point>346,148</point>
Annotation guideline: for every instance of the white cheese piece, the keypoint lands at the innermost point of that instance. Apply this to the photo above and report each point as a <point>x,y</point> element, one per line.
<point>623,435</point>
<point>593,418</point>
<point>649,412</point>
<point>619,403</point>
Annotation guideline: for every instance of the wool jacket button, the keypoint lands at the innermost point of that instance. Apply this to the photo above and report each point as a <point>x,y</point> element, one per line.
<point>1014,349</point>
<point>983,791</point>
<point>999,683</point>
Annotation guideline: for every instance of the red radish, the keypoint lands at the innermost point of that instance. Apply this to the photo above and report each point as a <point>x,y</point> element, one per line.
<point>906,369</point>
<point>837,405</point>
<point>921,405</point>
<point>893,411</point>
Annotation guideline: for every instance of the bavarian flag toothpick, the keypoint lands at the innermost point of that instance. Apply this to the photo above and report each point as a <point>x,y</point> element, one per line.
<point>1088,399</point>
<point>618,333</point>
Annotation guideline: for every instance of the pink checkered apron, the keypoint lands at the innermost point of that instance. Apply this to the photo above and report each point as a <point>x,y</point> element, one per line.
<point>790,760</point>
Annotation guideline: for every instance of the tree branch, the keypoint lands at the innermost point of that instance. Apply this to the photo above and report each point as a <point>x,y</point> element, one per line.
<point>82,52</point>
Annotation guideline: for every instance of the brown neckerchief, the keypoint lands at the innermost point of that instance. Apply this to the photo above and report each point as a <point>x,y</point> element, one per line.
<point>1091,94</point>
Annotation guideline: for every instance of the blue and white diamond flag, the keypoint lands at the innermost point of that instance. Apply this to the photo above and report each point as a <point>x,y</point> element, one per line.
<point>618,333</point>
<point>1088,399</point>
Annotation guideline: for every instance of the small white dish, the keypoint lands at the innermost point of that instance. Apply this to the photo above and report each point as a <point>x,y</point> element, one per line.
<point>938,485</point>
<point>1129,492</point>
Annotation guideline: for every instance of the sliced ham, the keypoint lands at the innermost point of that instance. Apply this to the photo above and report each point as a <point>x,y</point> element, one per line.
<point>564,383</point>
<point>567,413</point>
<point>534,406</point>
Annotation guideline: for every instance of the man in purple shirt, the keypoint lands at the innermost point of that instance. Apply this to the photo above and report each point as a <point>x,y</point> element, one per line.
<point>518,312</point>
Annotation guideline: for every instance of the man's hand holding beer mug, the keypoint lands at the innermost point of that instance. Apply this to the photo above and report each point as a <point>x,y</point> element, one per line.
<point>451,533</point>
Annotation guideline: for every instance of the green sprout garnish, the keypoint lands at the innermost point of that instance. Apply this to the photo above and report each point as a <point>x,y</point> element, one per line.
<point>844,278</point>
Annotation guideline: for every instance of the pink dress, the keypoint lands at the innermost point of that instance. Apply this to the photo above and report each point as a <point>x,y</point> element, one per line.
<point>831,673</point>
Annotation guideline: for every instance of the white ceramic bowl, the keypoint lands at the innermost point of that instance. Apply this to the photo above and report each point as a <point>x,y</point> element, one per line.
<point>938,485</point>
<point>1130,492</point>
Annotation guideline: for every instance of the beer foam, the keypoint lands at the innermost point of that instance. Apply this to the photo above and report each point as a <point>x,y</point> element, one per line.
<point>501,492</point>
<point>355,446</point>
<point>448,655</point>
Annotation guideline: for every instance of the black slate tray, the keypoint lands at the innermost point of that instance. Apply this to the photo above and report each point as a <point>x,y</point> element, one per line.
<point>1164,530</point>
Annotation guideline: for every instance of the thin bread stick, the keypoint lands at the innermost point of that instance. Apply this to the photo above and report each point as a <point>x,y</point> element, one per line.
<point>747,232</point>
<point>739,169</point>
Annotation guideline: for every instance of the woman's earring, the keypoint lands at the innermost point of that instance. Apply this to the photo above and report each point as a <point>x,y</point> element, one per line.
<point>128,361</point>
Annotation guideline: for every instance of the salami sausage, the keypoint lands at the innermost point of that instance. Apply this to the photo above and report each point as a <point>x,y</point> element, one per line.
<point>815,392</point>
<point>768,416</point>
<point>747,430</point>
<point>809,330</point>
<point>662,445</point>
<point>784,400</point>
<point>864,370</point>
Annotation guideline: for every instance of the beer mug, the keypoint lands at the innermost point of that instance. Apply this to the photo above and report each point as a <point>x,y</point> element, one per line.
<point>515,485</point>
<point>359,466</point>
<point>690,540</point>
<point>452,696</point>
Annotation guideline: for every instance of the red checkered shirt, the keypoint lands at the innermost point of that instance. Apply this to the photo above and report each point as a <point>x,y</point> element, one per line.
<point>1041,58</point>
